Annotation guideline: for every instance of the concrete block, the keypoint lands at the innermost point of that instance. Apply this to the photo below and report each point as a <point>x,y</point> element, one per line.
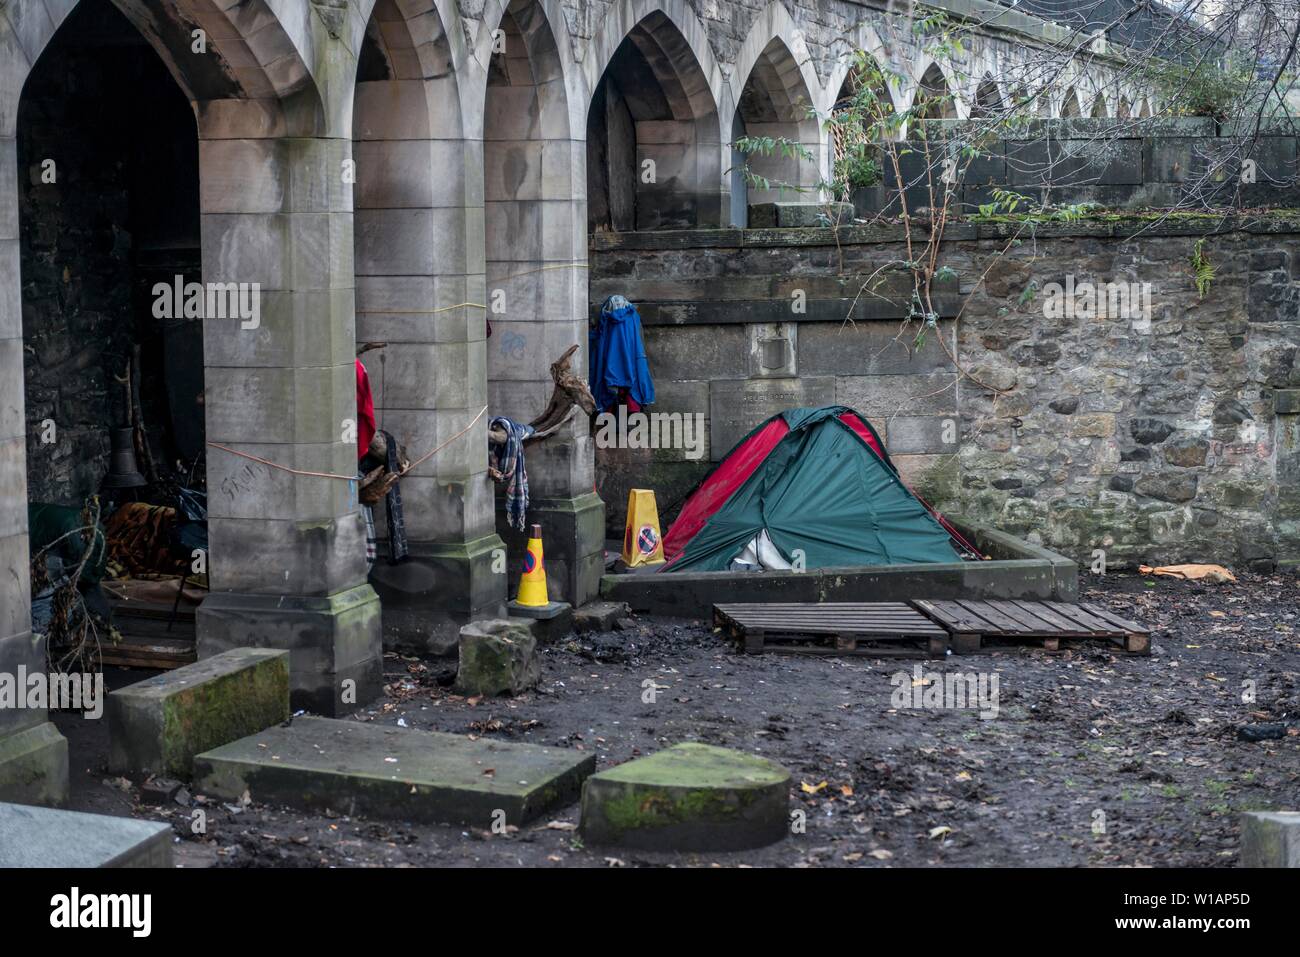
<point>1270,839</point>
<point>690,797</point>
<point>44,837</point>
<point>883,397</point>
<point>599,615</point>
<point>392,110</point>
<point>798,215</point>
<point>871,349</point>
<point>396,174</point>
<point>334,643</point>
<point>385,772</point>
<point>33,766</point>
<point>936,434</point>
<point>243,175</point>
<point>497,657</point>
<point>439,588</point>
<point>158,725</point>
<point>247,247</point>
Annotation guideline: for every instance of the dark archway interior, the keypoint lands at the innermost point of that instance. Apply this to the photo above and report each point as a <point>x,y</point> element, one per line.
<point>627,92</point>
<point>654,143</point>
<point>121,215</point>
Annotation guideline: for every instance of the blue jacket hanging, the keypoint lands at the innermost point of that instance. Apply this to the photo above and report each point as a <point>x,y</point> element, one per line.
<point>617,356</point>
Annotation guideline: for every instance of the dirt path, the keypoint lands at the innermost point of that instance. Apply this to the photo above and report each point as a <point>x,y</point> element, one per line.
<point>1093,758</point>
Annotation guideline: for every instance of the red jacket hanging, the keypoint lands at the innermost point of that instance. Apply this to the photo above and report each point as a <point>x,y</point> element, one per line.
<point>365,412</point>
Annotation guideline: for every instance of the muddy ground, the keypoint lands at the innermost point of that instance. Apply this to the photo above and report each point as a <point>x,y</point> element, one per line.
<point>1093,758</point>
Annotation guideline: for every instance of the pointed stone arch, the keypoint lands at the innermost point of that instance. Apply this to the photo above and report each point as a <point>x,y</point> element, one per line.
<point>287,548</point>
<point>775,100</point>
<point>988,101</point>
<point>1070,106</point>
<point>935,92</point>
<point>654,136</point>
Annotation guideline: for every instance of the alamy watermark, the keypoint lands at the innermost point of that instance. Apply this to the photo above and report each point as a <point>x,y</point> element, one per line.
<point>1102,300</point>
<point>651,430</point>
<point>59,691</point>
<point>951,691</point>
<point>179,299</point>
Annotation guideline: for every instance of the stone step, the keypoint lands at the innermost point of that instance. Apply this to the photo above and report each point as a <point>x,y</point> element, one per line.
<point>385,772</point>
<point>48,837</point>
<point>690,797</point>
<point>156,726</point>
<point>1270,839</point>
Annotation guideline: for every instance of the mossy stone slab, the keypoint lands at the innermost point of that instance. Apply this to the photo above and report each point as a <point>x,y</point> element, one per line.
<point>690,797</point>
<point>156,726</point>
<point>395,773</point>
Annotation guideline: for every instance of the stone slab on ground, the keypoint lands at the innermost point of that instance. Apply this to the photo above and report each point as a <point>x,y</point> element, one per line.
<point>34,765</point>
<point>156,726</point>
<point>1270,839</point>
<point>599,615</point>
<point>690,797</point>
<point>497,656</point>
<point>394,773</point>
<point>46,837</point>
<point>550,622</point>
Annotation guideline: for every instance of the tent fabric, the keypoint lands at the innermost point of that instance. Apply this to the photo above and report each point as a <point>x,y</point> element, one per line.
<point>825,487</point>
<point>617,356</point>
<point>736,467</point>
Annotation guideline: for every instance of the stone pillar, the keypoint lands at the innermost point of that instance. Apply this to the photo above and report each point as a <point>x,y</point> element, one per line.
<point>419,267</point>
<point>33,755</point>
<point>536,238</point>
<point>286,551</point>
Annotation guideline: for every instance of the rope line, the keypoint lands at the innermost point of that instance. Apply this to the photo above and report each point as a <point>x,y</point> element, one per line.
<point>347,478</point>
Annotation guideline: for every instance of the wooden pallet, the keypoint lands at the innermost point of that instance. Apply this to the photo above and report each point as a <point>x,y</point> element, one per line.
<point>977,624</point>
<point>153,636</point>
<point>866,629</point>
<point>135,651</point>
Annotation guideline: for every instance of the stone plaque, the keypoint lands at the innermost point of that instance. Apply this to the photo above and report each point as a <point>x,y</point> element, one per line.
<point>737,405</point>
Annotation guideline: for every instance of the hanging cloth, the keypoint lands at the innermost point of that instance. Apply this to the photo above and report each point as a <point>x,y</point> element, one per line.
<point>617,357</point>
<point>508,460</point>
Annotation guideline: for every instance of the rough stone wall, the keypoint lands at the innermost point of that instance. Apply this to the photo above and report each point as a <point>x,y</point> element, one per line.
<point>1165,437</point>
<point>124,188</point>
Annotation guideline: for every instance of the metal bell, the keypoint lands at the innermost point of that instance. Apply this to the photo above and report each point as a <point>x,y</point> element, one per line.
<point>123,472</point>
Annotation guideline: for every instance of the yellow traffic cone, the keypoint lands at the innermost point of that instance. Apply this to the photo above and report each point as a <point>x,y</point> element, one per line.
<point>642,542</point>
<point>532,586</point>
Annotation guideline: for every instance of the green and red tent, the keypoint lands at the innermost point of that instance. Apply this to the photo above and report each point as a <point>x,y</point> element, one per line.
<point>811,482</point>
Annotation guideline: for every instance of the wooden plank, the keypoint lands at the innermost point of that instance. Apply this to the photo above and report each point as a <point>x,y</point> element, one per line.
<point>953,616</point>
<point>1002,622</point>
<point>1064,625</point>
<point>1109,616</point>
<point>1089,622</point>
<point>1036,624</point>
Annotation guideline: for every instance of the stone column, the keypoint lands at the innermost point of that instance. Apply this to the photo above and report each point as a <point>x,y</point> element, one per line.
<point>286,551</point>
<point>419,264</point>
<point>536,238</point>
<point>33,755</point>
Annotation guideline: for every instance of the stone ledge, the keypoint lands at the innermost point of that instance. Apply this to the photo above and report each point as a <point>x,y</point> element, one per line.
<point>1270,839</point>
<point>34,766</point>
<point>158,725</point>
<point>45,837</point>
<point>690,797</point>
<point>394,773</point>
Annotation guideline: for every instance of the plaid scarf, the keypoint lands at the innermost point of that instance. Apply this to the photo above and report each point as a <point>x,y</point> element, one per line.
<point>509,461</point>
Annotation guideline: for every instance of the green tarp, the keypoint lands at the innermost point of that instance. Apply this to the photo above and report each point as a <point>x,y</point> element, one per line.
<point>821,490</point>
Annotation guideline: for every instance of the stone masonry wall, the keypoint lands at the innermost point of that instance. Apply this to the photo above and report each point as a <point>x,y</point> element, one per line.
<point>1169,436</point>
